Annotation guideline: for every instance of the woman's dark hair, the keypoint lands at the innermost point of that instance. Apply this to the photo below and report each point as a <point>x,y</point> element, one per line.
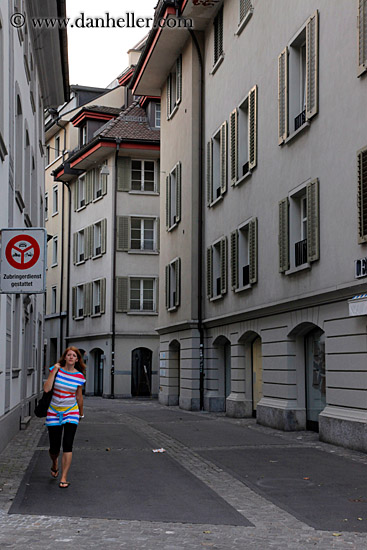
<point>79,365</point>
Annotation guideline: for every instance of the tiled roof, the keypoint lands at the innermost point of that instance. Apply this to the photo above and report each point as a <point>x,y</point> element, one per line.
<point>132,123</point>
<point>102,109</point>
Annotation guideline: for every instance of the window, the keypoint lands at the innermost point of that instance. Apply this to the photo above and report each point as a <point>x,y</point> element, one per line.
<point>80,301</point>
<point>81,192</point>
<point>362,33</point>
<point>83,135</point>
<point>244,255</point>
<point>218,37</point>
<point>243,137</point>
<point>90,242</point>
<point>216,165</point>
<point>142,234</point>
<point>96,297</point>
<point>55,200</point>
<point>157,123</point>
<point>362,195</point>
<point>54,251</point>
<point>48,158</point>
<point>143,175</point>
<point>99,184</point>
<point>173,197</point>
<point>97,239</point>
<point>299,228</point>
<point>298,80</point>
<point>174,88</point>
<point>57,147</point>
<point>81,247</point>
<point>46,207</point>
<point>216,269</point>
<point>173,284</point>
<point>142,294</point>
<point>245,12</point>
<point>53,299</point>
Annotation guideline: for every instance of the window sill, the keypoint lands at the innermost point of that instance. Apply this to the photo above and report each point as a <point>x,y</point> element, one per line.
<point>81,208</point>
<point>217,64</point>
<point>172,227</point>
<point>215,298</point>
<point>242,288</point>
<point>79,263</point>
<point>3,150</point>
<point>15,373</point>
<point>96,199</point>
<point>54,265</point>
<point>171,309</point>
<point>243,178</point>
<point>94,315</point>
<point>149,252</point>
<point>30,370</point>
<point>54,214</point>
<point>97,256</point>
<point>302,267</point>
<point>244,22</point>
<point>295,134</point>
<point>150,313</point>
<point>134,192</point>
<point>217,200</point>
<point>53,162</point>
<point>172,113</point>
<point>78,318</point>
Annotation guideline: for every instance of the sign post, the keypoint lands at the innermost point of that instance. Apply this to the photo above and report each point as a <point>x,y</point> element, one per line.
<point>22,260</point>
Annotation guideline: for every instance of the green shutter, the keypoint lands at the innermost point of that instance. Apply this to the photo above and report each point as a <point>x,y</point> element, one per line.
<point>178,191</point>
<point>178,281</point>
<point>123,174</point>
<point>283,235</point>
<point>283,96</point>
<point>362,36</point>
<point>252,230</point>
<point>122,228</point>
<point>209,272</point>
<point>103,295</point>
<point>223,158</point>
<point>103,235</point>
<point>252,127</point>
<point>169,94</point>
<point>313,222</point>
<point>73,302</point>
<point>121,294</point>
<point>209,172</point>
<point>233,136</point>
<point>223,265</point>
<point>168,202</point>
<point>167,285</point>
<point>234,259</point>
<point>75,248</point>
<point>179,79</point>
<point>362,195</point>
<point>312,62</point>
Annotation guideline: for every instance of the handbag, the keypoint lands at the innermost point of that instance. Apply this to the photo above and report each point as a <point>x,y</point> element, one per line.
<point>44,403</point>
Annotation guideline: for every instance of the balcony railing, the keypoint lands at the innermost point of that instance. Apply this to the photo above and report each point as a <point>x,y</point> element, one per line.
<point>301,252</point>
<point>299,120</point>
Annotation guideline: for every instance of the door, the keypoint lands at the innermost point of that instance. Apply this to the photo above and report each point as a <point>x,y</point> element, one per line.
<point>227,374</point>
<point>315,377</point>
<point>98,373</point>
<point>257,373</point>
<point>141,373</point>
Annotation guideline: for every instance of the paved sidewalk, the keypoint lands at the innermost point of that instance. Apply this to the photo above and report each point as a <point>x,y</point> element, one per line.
<point>229,484</point>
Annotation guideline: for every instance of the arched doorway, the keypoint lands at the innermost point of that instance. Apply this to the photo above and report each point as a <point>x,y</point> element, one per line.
<point>141,372</point>
<point>257,373</point>
<point>223,369</point>
<point>315,376</point>
<point>97,357</point>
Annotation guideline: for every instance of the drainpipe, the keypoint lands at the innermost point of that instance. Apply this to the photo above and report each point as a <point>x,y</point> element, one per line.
<point>113,286</point>
<point>200,218</point>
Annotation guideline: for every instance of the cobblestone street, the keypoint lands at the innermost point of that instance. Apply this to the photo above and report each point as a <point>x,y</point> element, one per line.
<point>257,521</point>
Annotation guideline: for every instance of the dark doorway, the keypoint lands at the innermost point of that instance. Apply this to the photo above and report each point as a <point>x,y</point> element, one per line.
<point>98,372</point>
<point>141,373</point>
<point>315,377</point>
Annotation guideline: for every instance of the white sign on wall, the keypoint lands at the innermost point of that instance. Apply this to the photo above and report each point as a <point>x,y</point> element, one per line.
<point>22,260</point>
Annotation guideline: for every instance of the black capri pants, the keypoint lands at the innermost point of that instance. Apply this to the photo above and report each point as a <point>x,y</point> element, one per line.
<point>55,435</point>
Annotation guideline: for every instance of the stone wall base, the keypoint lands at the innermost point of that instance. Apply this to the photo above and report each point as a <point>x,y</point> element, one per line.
<point>344,427</point>
<point>280,417</point>
<point>238,407</point>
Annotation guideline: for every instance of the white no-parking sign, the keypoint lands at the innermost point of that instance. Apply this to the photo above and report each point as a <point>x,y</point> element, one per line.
<point>22,260</point>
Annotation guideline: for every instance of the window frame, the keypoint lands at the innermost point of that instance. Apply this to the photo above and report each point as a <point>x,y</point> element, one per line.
<point>142,180</point>
<point>142,220</point>
<point>55,251</point>
<point>53,299</point>
<point>55,200</point>
<point>142,280</point>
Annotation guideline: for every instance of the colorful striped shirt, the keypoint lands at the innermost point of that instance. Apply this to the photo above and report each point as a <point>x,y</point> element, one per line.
<point>64,407</point>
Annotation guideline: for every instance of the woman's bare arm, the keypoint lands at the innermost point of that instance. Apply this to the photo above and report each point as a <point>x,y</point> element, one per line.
<point>47,386</point>
<point>79,399</point>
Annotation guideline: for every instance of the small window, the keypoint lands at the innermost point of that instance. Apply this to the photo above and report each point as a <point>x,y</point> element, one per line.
<point>80,301</point>
<point>217,269</point>
<point>83,135</point>
<point>54,251</point>
<point>46,207</point>
<point>173,284</point>
<point>81,192</point>
<point>218,36</point>
<point>48,157</point>
<point>174,87</point>
<point>57,147</point>
<point>157,115</point>
<point>142,234</point>
<point>55,200</point>
<point>173,197</point>
<point>143,175</point>
<point>81,257</point>
<point>96,297</point>
<point>53,299</point>
<point>217,165</point>
<point>97,239</point>
<point>244,255</point>
<point>142,294</point>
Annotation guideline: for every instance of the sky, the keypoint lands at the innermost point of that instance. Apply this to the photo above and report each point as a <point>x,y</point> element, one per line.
<point>98,55</point>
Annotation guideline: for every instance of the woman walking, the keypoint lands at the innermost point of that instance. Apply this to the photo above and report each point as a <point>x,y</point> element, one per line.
<point>66,407</point>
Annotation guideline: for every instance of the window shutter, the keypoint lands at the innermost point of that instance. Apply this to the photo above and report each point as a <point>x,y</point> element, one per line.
<point>168,202</point>
<point>252,127</point>
<point>234,259</point>
<point>179,79</point>
<point>76,195</point>
<point>178,281</point>
<point>233,131</point>
<point>156,286</point>
<point>283,235</point>
<point>218,35</point>
<point>103,295</point>
<point>283,96</point>
<point>223,158</point>
<point>123,174</point>
<point>312,62</point>
<point>90,241</point>
<point>362,36</point>
<point>313,224</point>
<point>169,94</point>
<point>209,272</point>
<point>253,250</point>
<point>362,195</point>
<point>209,173</point>
<point>87,292</point>
<point>73,302</point>
<point>223,265</point>
<point>103,235</point>
<point>121,294</point>
<point>178,191</point>
<point>75,248</point>
<point>123,224</point>
<point>245,8</point>
<point>104,183</point>
<point>158,176</point>
<point>167,286</point>
<point>158,235</point>
<point>89,186</point>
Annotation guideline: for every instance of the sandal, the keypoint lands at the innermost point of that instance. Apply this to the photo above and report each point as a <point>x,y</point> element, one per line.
<point>54,473</point>
<point>64,484</point>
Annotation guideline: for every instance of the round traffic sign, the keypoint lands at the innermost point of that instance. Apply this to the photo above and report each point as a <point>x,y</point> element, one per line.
<point>22,251</point>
